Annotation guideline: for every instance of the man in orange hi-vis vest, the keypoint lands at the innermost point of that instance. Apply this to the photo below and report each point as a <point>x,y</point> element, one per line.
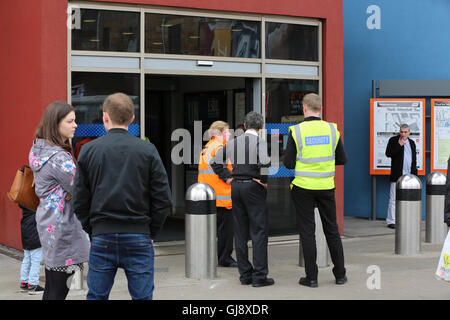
<point>219,133</point>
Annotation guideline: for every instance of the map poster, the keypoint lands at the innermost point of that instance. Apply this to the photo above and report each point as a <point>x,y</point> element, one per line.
<point>386,116</point>
<point>440,134</point>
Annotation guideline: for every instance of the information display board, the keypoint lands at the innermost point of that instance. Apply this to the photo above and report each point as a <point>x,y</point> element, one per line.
<point>386,116</point>
<point>440,134</point>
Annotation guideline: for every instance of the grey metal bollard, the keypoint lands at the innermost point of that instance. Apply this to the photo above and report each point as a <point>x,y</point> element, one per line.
<point>323,256</point>
<point>77,280</point>
<point>436,228</point>
<point>201,232</point>
<point>408,212</point>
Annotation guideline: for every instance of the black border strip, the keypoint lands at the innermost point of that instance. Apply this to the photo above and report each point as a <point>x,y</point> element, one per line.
<point>436,190</point>
<point>202,207</point>
<point>408,194</point>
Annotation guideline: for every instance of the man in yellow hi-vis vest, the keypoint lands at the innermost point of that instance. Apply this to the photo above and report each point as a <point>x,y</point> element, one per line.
<point>219,133</point>
<point>313,149</point>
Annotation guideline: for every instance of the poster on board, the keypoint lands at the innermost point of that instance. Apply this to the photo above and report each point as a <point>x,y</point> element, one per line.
<point>386,116</point>
<point>440,134</point>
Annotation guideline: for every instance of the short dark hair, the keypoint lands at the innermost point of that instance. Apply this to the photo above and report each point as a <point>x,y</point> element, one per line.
<point>313,102</point>
<point>119,107</point>
<point>254,120</point>
<point>404,126</point>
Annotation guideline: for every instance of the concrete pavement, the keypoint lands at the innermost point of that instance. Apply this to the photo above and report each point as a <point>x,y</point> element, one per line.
<point>374,272</point>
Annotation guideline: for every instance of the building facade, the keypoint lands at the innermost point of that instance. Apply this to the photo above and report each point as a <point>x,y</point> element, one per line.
<point>185,64</point>
<point>387,40</point>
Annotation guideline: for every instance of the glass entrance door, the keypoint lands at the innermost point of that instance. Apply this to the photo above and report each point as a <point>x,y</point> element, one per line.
<point>192,104</point>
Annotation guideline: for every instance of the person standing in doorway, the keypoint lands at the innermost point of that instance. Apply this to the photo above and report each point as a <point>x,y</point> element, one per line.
<point>250,161</point>
<point>219,133</point>
<point>402,151</point>
<point>122,198</point>
<point>313,150</point>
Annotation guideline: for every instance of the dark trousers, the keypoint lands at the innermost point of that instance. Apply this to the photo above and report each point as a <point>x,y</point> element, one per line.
<point>250,221</point>
<point>304,202</point>
<point>56,286</point>
<point>224,235</point>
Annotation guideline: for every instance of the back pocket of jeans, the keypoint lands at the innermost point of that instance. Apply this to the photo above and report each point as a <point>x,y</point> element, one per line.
<point>98,257</point>
<point>139,257</point>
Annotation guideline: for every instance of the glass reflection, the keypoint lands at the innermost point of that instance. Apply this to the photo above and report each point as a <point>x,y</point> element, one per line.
<point>291,42</point>
<point>89,91</point>
<point>105,30</point>
<point>284,99</point>
<point>173,34</point>
<point>284,108</point>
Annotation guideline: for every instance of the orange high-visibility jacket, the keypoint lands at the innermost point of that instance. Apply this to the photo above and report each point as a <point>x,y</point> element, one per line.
<point>207,175</point>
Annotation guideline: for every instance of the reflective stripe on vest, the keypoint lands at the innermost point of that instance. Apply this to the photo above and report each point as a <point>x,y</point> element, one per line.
<point>208,159</point>
<point>206,171</point>
<point>314,174</point>
<point>223,197</point>
<point>206,175</point>
<point>316,143</point>
<point>317,159</point>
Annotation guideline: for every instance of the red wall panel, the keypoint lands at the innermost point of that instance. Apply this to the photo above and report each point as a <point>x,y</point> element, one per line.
<point>34,73</point>
<point>34,68</point>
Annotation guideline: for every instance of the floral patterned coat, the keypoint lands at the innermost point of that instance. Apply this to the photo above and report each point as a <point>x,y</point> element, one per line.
<point>63,240</point>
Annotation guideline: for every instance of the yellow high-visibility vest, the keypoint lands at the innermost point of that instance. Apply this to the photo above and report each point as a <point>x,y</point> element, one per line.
<point>316,143</point>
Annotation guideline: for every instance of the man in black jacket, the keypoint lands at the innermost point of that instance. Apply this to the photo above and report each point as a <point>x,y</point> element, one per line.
<point>402,151</point>
<point>249,158</point>
<point>122,198</point>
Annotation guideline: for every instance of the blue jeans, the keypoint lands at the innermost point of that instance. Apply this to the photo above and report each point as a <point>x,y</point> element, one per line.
<point>31,266</point>
<point>132,252</point>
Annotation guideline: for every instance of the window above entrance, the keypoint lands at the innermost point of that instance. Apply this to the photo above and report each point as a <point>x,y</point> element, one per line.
<point>286,41</point>
<point>202,36</point>
<point>107,30</point>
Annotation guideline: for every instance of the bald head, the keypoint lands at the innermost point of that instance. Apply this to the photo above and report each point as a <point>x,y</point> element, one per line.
<point>119,108</point>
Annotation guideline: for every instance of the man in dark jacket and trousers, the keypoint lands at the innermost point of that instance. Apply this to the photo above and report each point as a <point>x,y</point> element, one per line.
<point>249,157</point>
<point>122,198</point>
<point>402,151</point>
<point>32,254</point>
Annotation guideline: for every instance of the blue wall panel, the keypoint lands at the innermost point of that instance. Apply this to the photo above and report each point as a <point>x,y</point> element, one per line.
<point>413,42</point>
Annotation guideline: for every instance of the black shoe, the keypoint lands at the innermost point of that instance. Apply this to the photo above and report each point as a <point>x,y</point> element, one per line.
<point>391,226</point>
<point>246,282</point>
<point>231,264</point>
<point>341,280</point>
<point>308,282</point>
<point>34,290</point>
<point>263,283</point>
